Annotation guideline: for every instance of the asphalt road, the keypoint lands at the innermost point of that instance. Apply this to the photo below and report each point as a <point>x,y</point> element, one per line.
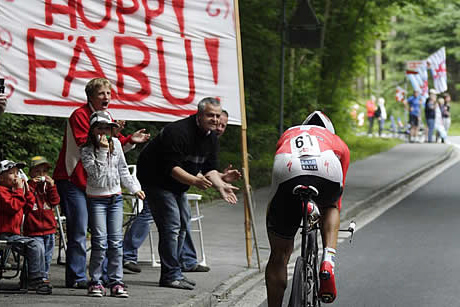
<point>409,255</point>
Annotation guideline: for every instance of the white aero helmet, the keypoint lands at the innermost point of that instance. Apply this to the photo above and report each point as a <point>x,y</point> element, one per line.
<point>318,118</point>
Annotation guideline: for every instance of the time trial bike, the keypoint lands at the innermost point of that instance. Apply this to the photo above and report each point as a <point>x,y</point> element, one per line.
<point>305,281</point>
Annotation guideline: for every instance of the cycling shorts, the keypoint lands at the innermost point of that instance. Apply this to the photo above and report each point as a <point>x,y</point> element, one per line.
<point>413,120</point>
<point>284,213</point>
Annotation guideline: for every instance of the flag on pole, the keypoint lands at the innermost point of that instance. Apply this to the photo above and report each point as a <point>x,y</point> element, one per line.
<point>423,74</point>
<point>437,62</point>
<point>400,94</point>
<point>417,82</point>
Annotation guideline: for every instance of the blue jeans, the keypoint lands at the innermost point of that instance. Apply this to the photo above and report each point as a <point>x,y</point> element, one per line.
<point>73,204</point>
<point>106,222</point>
<point>136,234</point>
<point>188,258</point>
<point>48,244</point>
<point>35,254</point>
<point>171,213</point>
<point>430,124</point>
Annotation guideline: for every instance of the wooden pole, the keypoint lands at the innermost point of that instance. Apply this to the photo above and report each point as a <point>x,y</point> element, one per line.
<point>244,145</point>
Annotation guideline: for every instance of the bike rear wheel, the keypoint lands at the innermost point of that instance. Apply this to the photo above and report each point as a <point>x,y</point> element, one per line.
<point>297,298</point>
<point>312,297</point>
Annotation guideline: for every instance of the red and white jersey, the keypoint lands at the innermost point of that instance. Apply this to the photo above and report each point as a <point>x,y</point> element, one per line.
<point>309,150</point>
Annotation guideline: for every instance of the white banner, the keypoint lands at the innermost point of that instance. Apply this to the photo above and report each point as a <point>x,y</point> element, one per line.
<point>162,56</point>
<point>437,62</point>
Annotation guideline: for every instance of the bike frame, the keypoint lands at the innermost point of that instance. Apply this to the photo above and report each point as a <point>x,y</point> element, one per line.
<point>308,281</point>
<point>305,281</point>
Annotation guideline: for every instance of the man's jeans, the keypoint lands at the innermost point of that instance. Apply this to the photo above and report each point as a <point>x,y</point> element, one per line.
<point>171,213</point>
<point>430,123</point>
<point>188,258</point>
<point>106,222</point>
<point>138,232</point>
<point>35,254</point>
<point>48,244</point>
<point>73,204</point>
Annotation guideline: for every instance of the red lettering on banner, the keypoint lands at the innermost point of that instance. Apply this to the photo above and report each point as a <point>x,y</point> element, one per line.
<point>217,11</point>
<point>163,79</point>
<point>212,47</point>
<point>151,14</point>
<point>121,10</point>
<point>68,9</point>
<point>74,73</point>
<point>34,63</point>
<point>95,25</point>
<point>178,6</point>
<point>133,71</point>
<point>6,39</point>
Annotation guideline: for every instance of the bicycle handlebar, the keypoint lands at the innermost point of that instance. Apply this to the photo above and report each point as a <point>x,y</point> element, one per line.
<point>351,229</point>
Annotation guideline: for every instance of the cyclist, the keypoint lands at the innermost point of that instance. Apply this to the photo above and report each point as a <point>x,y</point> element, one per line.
<point>309,154</point>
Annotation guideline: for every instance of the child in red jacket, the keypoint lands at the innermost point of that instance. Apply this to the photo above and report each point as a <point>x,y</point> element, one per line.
<point>14,195</point>
<point>39,220</point>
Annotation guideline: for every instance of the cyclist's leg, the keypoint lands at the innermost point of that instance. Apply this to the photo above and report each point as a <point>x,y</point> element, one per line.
<point>283,220</point>
<point>276,270</point>
<point>330,224</point>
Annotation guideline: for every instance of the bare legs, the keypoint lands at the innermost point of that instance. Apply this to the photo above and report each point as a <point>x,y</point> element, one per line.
<point>276,271</point>
<point>330,224</point>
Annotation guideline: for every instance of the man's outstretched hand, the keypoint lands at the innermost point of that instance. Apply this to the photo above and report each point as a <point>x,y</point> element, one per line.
<point>228,194</point>
<point>230,174</point>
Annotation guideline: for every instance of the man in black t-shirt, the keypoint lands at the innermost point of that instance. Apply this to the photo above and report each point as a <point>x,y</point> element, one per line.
<point>167,167</point>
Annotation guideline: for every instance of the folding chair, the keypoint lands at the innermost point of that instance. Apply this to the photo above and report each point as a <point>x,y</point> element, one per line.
<point>193,200</point>
<point>14,251</point>
<point>137,205</point>
<point>61,219</point>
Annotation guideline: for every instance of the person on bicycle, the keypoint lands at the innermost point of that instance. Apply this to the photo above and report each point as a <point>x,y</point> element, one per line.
<point>309,154</point>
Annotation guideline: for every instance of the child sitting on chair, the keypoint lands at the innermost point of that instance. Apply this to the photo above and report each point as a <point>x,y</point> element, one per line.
<point>103,159</point>
<point>14,195</point>
<point>39,220</point>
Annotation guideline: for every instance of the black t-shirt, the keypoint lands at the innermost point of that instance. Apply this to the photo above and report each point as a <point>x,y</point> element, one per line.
<point>181,143</point>
<point>429,109</point>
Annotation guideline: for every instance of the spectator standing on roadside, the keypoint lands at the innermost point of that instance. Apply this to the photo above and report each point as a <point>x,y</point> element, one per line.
<point>446,112</point>
<point>70,177</point>
<point>381,114</point>
<point>371,108</point>
<point>430,104</point>
<point>414,102</point>
<point>39,219</point>
<point>438,122</point>
<point>103,159</point>
<point>167,167</point>
<point>139,229</point>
